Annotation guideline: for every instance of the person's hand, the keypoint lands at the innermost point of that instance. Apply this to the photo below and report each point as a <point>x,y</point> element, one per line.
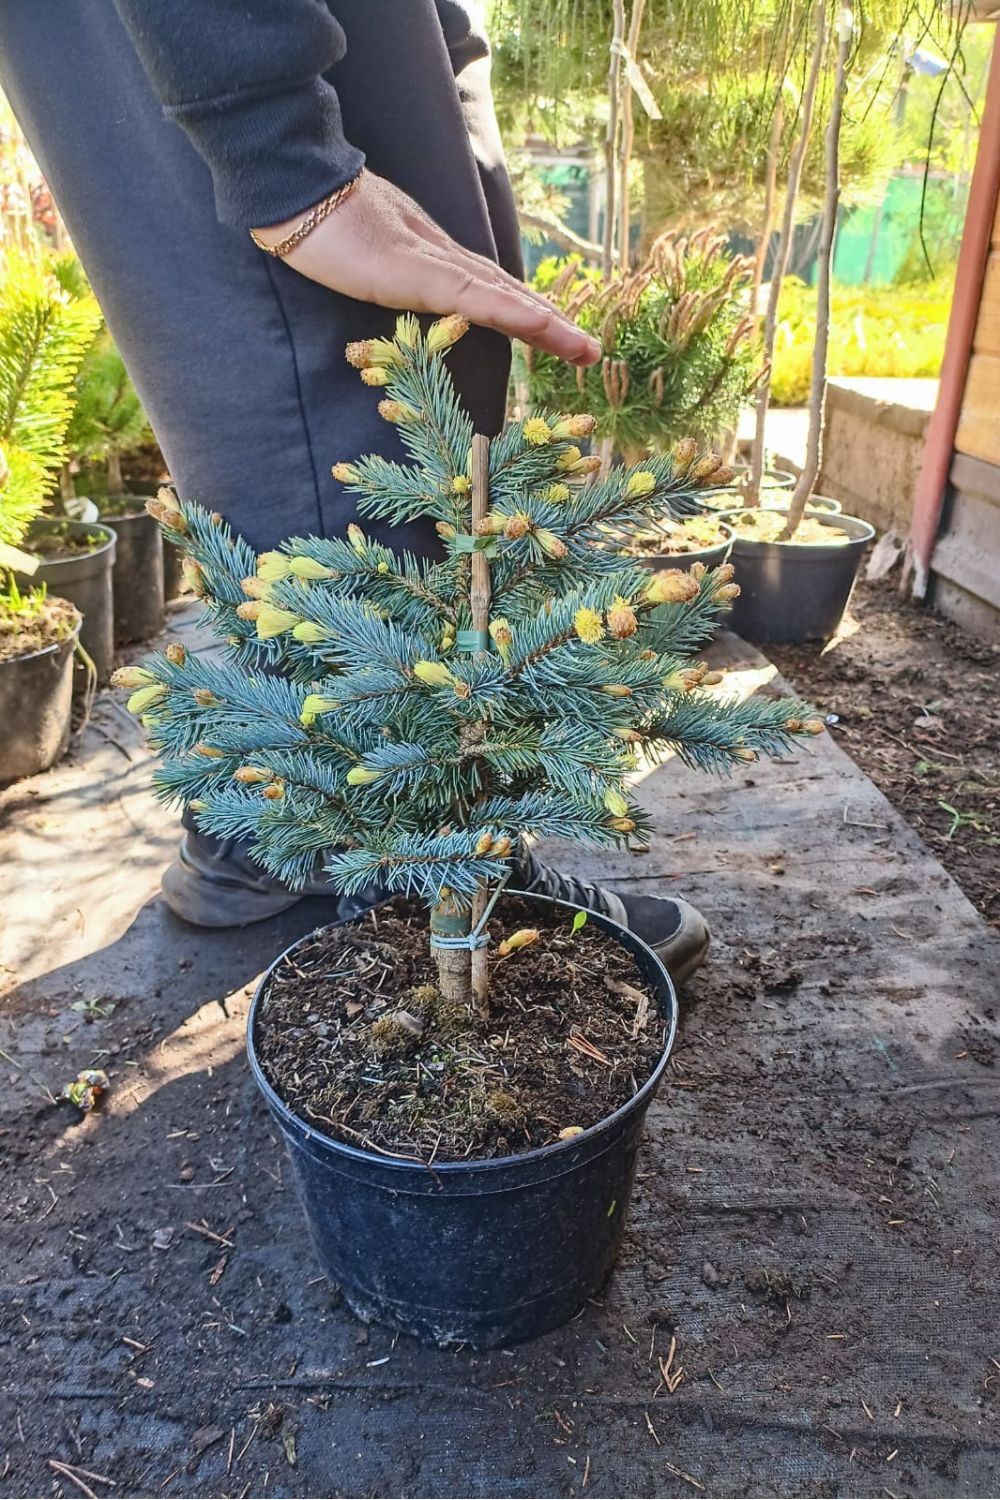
<point>379,246</point>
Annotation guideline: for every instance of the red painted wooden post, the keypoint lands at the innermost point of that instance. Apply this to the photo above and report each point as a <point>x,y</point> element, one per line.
<point>939,444</point>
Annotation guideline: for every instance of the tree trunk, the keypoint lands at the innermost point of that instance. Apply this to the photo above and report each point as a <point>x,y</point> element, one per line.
<point>627,139</point>
<point>454,971</point>
<point>784,249</point>
<point>831,203</point>
<point>67,486</point>
<point>115,482</point>
<point>611,138</point>
<point>567,239</point>
<point>770,197</point>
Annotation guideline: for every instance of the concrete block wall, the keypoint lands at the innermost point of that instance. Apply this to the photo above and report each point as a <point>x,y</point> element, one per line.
<point>872,447</point>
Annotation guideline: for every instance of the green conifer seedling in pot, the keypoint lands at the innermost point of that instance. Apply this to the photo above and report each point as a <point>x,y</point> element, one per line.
<point>43,337</point>
<point>461,1075</point>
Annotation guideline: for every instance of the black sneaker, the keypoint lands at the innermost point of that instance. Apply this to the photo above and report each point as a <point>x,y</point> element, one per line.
<point>676,931</point>
<point>214,883</point>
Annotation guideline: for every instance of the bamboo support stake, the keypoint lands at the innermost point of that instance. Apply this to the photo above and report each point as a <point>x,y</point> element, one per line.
<point>479,594</point>
<point>479,602</point>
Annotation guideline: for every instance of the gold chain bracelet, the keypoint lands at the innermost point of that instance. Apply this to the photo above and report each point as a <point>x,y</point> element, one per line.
<point>306,225</point>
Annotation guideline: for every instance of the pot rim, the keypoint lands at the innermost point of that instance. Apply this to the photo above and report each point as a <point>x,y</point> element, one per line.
<point>47,523</point>
<point>67,640</point>
<point>829,518</point>
<point>743,466</point>
<point>119,517</point>
<point>829,506</point>
<point>678,557</point>
<point>354,1153</point>
<point>785,476</point>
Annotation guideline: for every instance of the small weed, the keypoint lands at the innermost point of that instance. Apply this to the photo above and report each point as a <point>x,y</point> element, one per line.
<point>962,820</point>
<point>91,1008</point>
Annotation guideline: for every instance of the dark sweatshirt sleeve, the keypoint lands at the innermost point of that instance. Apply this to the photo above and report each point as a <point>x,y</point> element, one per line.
<point>244,80</point>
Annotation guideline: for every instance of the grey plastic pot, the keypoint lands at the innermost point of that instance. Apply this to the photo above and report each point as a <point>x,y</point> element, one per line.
<point>36,699</point>
<point>475,1252</point>
<point>85,579</point>
<point>138,575</point>
<point>790,592</point>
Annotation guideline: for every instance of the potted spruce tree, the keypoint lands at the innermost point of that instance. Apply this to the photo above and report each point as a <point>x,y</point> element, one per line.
<point>74,555</point>
<point>43,337</point>
<point>461,1074</point>
<point>37,634</point>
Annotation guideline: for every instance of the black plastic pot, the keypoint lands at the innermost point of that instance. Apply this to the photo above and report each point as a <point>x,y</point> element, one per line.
<point>138,577</point>
<point>776,479</point>
<point>36,697</point>
<point>173,557</point>
<point>480,1252</point>
<point>84,578</point>
<point>790,592</point>
<point>726,497</point>
<point>710,556</point>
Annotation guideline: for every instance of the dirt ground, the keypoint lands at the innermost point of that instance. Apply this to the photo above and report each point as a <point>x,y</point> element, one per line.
<point>807,1301</point>
<point>918,703</point>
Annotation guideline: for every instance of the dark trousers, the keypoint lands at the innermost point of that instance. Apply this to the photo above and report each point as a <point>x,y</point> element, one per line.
<point>238,360</point>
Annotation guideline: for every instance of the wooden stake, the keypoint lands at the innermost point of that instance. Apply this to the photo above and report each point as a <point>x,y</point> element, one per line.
<point>479,597</point>
<point>479,601</point>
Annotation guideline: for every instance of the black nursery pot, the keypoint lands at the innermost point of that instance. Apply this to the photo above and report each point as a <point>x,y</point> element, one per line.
<point>173,557</point>
<point>138,575</point>
<point>82,577</point>
<point>36,695</point>
<point>792,593</point>
<point>481,1252</point>
<point>710,556</point>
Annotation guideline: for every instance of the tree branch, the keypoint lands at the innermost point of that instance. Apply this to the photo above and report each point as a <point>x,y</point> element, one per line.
<point>567,239</point>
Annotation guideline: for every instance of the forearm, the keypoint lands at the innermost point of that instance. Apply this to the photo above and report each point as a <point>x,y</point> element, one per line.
<point>243,78</point>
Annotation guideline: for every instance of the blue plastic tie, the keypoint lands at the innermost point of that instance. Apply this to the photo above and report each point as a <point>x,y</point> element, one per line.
<point>472,641</point>
<point>477,938</point>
